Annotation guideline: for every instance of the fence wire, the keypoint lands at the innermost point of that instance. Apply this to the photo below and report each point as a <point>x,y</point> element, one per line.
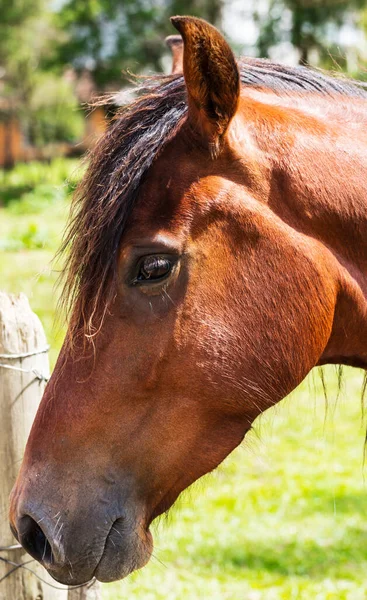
<point>15,566</point>
<point>38,375</point>
<point>24,565</point>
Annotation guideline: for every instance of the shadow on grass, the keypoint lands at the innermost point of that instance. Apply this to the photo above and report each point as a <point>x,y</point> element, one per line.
<point>312,559</point>
<point>13,192</point>
<point>315,557</point>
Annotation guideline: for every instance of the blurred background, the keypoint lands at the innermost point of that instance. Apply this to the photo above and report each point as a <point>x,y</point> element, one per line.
<point>285,516</point>
<point>56,56</point>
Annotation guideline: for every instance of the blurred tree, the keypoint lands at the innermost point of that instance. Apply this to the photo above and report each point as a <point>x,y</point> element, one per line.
<point>13,15</point>
<point>42,101</point>
<point>108,37</point>
<point>307,31</point>
<point>53,113</point>
<point>363,17</point>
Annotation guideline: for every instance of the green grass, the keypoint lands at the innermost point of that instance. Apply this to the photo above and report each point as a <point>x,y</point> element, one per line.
<point>34,203</point>
<point>283,518</point>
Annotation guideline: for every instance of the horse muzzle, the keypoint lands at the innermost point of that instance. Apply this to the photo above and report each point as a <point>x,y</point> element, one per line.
<point>74,545</point>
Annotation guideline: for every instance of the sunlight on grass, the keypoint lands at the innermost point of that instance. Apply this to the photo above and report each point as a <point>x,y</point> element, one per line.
<point>31,226</point>
<point>283,517</point>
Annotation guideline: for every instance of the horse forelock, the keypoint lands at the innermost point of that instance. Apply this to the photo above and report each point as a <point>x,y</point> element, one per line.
<point>118,164</point>
<point>106,196</point>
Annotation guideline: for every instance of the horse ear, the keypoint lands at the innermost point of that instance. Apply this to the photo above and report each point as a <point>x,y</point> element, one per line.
<point>175,43</point>
<point>212,79</point>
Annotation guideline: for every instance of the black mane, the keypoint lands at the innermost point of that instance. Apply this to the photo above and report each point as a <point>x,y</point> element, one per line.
<point>117,165</point>
<point>281,79</point>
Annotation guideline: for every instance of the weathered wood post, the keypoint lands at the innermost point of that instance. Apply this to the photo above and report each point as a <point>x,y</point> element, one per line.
<point>24,369</point>
<point>86,593</point>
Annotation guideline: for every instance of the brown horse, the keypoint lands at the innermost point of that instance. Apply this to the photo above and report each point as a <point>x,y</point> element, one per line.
<point>217,253</point>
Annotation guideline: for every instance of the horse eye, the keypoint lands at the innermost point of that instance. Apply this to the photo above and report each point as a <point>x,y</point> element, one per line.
<point>154,268</point>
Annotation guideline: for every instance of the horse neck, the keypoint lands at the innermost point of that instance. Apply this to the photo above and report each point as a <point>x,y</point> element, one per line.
<point>319,188</point>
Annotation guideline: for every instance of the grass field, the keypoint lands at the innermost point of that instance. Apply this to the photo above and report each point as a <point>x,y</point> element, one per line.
<point>284,517</point>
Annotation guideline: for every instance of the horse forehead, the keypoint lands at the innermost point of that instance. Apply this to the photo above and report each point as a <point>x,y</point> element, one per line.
<point>182,182</point>
<point>175,205</point>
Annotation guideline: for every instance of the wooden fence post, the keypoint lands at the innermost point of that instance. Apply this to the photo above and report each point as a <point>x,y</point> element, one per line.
<point>22,382</point>
<point>86,593</point>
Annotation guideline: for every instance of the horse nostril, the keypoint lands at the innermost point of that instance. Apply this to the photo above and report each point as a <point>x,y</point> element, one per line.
<point>34,540</point>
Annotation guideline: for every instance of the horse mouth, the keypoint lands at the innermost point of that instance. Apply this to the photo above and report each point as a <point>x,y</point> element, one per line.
<point>123,552</point>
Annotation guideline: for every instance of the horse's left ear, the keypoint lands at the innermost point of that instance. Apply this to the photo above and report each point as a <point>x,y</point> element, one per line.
<point>212,79</point>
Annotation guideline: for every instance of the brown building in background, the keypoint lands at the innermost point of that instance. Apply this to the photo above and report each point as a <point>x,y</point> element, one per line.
<point>14,146</point>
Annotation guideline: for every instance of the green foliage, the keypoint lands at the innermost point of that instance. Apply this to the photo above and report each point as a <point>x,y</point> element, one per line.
<point>13,15</point>
<point>29,238</point>
<point>36,189</point>
<point>32,218</point>
<point>310,21</point>
<point>44,103</point>
<point>31,178</point>
<point>109,37</point>
<point>53,111</point>
<point>39,39</point>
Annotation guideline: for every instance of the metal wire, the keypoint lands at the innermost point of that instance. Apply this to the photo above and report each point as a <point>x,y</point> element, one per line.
<point>38,375</point>
<point>25,354</point>
<point>17,566</point>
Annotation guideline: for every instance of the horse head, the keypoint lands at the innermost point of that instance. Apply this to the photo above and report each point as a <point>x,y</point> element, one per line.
<point>198,300</point>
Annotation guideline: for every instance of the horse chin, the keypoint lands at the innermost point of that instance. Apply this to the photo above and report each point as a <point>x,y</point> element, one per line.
<point>120,559</point>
